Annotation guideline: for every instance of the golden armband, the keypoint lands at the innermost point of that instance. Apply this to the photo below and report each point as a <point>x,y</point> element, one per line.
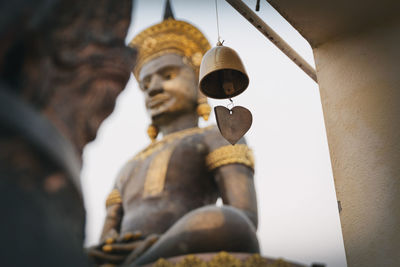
<point>113,198</point>
<point>241,154</point>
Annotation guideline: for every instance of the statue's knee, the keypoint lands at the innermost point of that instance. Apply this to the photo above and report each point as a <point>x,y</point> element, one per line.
<point>224,228</point>
<point>207,229</point>
<point>210,217</point>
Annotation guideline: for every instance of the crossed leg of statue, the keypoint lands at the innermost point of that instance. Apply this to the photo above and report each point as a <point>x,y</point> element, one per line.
<point>207,229</point>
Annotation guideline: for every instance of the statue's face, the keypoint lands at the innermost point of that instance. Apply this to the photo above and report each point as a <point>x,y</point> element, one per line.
<point>169,86</point>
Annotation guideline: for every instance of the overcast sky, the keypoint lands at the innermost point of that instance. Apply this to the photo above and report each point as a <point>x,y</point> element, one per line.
<point>298,211</point>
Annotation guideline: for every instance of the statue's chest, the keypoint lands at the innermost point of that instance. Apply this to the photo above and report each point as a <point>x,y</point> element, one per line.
<point>176,164</point>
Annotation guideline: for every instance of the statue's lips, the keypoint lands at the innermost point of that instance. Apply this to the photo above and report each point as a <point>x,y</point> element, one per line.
<point>157,100</point>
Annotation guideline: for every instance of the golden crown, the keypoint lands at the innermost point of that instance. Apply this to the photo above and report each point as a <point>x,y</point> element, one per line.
<point>170,36</point>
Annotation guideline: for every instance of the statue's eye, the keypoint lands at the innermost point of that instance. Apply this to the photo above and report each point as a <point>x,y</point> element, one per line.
<point>169,75</point>
<point>145,85</point>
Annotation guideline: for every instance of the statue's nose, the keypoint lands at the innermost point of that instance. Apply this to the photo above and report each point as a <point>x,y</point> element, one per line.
<point>155,86</point>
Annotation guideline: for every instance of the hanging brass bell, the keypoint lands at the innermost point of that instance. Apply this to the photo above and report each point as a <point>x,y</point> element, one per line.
<point>222,74</point>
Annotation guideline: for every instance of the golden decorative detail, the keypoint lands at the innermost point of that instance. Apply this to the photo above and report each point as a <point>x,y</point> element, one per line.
<point>224,259</point>
<point>204,110</point>
<point>157,170</point>
<point>230,154</point>
<point>128,236</point>
<point>158,145</point>
<point>109,240</point>
<point>255,261</point>
<point>170,36</point>
<point>163,263</point>
<point>107,248</point>
<point>155,178</point>
<point>152,132</point>
<point>132,236</point>
<point>113,198</point>
<point>191,260</point>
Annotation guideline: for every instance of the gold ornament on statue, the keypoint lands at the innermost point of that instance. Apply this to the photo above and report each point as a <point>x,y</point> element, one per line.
<point>176,37</point>
<point>170,36</point>
<point>152,132</point>
<point>114,198</point>
<point>204,110</point>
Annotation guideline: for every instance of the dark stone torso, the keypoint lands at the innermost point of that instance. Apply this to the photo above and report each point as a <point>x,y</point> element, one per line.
<point>188,184</point>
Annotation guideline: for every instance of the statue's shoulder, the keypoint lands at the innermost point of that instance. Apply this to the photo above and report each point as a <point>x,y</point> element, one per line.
<point>208,132</point>
<point>211,137</point>
<point>214,140</point>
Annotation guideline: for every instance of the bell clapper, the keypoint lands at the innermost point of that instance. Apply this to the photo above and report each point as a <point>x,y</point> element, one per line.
<point>227,84</point>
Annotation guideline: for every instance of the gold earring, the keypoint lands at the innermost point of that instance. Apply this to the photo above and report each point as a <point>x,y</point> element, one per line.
<point>204,110</point>
<point>152,132</point>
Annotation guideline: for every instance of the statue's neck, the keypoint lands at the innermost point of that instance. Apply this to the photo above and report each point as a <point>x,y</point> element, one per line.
<point>178,123</point>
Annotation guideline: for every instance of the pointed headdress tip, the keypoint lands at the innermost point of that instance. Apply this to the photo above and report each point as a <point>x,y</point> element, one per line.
<point>168,14</point>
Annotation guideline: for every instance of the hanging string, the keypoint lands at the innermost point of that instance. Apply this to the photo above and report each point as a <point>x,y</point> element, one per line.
<point>216,13</point>
<point>258,5</point>
<point>230,105</point>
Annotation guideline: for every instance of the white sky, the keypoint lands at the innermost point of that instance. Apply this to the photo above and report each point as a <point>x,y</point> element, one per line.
<point>298,211</point>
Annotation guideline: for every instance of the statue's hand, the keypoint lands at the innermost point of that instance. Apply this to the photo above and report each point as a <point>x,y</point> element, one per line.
<point>119,250</point>
<point>141,247</point>
<point>99,257</point>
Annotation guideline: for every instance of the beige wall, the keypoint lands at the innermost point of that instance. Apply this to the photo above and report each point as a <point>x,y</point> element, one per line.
<point>359,79</point>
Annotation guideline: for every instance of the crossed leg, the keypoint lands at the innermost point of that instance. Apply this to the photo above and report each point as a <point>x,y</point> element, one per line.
<point>206,229</point>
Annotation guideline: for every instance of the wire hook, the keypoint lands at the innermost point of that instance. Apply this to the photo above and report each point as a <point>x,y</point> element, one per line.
<point>230,105</point>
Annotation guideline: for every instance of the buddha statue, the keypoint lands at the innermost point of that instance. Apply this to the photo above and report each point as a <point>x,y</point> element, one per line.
<point>163,203</point>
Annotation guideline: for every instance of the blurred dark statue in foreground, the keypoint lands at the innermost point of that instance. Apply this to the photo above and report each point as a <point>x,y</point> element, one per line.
<point>163,202</point>
<point>62,65</point>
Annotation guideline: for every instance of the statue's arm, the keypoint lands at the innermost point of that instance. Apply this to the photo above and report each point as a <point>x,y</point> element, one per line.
<point>236,186</point>
<point>114,207</point>
<point>114,213</point>
<point>110,232</point>
<point>233,170</point>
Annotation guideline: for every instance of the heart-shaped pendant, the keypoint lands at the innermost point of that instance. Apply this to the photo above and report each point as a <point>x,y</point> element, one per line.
<point>234,123</point>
